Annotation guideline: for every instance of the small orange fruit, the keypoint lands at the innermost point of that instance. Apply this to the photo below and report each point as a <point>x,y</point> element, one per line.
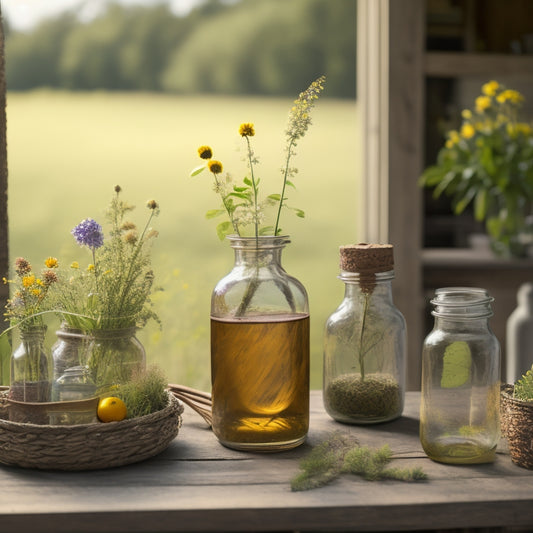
<point>111,409</point>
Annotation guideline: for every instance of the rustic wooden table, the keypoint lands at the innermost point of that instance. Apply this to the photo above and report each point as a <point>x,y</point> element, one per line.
<point>197,485</point>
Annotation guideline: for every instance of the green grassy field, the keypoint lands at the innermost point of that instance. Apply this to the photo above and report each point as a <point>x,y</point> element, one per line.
<point>66,152</point>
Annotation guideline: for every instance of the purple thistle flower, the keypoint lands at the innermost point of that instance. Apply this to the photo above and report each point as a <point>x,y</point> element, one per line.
<point>89,233</point>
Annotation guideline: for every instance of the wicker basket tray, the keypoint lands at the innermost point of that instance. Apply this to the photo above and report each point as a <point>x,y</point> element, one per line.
<point>517,427</point>
<point>89,446</point>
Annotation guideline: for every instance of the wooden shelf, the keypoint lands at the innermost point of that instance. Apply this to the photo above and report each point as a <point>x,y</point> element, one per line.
<point>454,64</point>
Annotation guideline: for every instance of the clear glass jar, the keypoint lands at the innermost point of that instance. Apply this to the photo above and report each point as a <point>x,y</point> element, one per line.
<point>29,367</point>
<point>68,351</point>
<point>459,412</point>
<point>114,356</point>
<point>75,384</point>
<point>365,341</point>
<point>260,350</point>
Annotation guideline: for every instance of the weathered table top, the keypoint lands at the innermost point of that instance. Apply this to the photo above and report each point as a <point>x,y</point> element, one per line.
<point>197,485</point>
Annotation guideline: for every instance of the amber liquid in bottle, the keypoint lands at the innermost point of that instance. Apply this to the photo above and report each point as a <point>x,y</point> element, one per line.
<point>260,382</point>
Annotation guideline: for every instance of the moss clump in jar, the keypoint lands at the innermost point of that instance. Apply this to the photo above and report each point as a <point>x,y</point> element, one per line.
<point>365,341</point>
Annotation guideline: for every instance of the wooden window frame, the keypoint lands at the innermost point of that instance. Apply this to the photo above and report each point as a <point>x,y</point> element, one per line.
<point>391,102</point>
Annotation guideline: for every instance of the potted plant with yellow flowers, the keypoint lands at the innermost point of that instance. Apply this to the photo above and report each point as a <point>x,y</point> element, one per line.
<point>259,313</point>
<point>488,162</point>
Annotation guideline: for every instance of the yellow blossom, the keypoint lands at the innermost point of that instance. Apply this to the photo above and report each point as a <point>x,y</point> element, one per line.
<point>74,264</point>
<point>490,88</point>
<point>36,292</point>
<point>205,152</point>
<point>51,262</point>
<point>90,268</point>
<point>467,130</point>
<point>215,166</point>
<point>482,103</point>
<point>466,114</point>
<point>524,128</point>
<point>28,281</point>
<point>453,139</point>
<point>246,129</point>
<point>510,95</point>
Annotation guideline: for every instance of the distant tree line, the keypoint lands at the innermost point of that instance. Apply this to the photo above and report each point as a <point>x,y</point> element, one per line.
<point>265,47</point>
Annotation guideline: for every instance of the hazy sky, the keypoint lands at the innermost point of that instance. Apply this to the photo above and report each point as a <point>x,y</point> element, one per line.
<point>24,14</point>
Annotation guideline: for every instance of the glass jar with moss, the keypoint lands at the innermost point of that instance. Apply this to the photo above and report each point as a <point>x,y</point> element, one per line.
<point>365,341</point>
<point>459,411</point>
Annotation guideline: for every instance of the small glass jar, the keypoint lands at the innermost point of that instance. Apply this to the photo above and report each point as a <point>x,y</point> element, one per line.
<point>68,351</point>
<point>365,341</point>
<point>74,385</point>
<point>29,367</point>
<point>459,412</point>
<point>114,356</point>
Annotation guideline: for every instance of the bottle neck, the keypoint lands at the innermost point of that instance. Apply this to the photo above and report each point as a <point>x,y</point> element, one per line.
<point>263,251</point>
<point>377,286</point>
<point>33,334</point>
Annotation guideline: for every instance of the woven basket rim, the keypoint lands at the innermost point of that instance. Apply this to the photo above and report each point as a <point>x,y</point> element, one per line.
<point>173,404</point>
<point>507,391</point>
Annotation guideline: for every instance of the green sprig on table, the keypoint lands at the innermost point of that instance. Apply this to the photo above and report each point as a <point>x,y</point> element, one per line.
<point>340,454</point>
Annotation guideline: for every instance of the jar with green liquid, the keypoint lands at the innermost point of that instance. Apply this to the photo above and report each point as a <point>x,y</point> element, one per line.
<point>459,412</point>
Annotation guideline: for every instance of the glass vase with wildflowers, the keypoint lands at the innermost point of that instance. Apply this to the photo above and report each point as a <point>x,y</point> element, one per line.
<point>259,313</point>
<point>488,162</point>
<point>110,298</point>
<point>241,202</point>
<point>25,310</point>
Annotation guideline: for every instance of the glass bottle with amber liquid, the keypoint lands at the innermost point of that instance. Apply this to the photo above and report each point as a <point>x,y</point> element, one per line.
<point>260,350</point>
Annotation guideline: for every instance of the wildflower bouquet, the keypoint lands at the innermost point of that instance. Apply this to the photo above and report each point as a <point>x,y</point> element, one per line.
<point>113,292</point>
<point>30,300</point>
<point>241,202</point>
<point>489,162</point>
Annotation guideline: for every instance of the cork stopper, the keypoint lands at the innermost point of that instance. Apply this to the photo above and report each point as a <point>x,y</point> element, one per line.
<point>367,260</point>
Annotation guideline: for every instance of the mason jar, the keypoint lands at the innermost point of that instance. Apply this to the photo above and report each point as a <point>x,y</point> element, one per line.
<point>459,412</point>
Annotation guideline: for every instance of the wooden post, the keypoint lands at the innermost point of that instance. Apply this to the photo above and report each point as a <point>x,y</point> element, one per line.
<point>406,107</point>
<point>4,247</point>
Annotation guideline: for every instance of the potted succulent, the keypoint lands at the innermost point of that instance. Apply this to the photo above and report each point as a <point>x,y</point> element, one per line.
<point>488,162</point>
<point>517,419</point>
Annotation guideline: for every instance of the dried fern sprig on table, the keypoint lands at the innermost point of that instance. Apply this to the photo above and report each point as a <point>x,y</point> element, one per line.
<point>341,453</point>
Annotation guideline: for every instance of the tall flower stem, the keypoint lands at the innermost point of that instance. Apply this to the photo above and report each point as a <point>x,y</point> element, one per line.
<point>285,174</point>
<point>254,186</point>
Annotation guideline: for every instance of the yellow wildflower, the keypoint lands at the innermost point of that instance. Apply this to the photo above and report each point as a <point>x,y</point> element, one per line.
<point>90,268</point>
<point>482,103</point>
<point>490,88</point>
<point>205,152</point>
<point>215,166</point>
<point>51,262</point>
<point>453,139</point>
<point>510,95</point>
<point>246,129</point>
<point>74,264</point>
<point>467,130</point>
<point>524,128</point>
<point>466,114</point>
<point>28,281</point>
<point>36,292</point>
